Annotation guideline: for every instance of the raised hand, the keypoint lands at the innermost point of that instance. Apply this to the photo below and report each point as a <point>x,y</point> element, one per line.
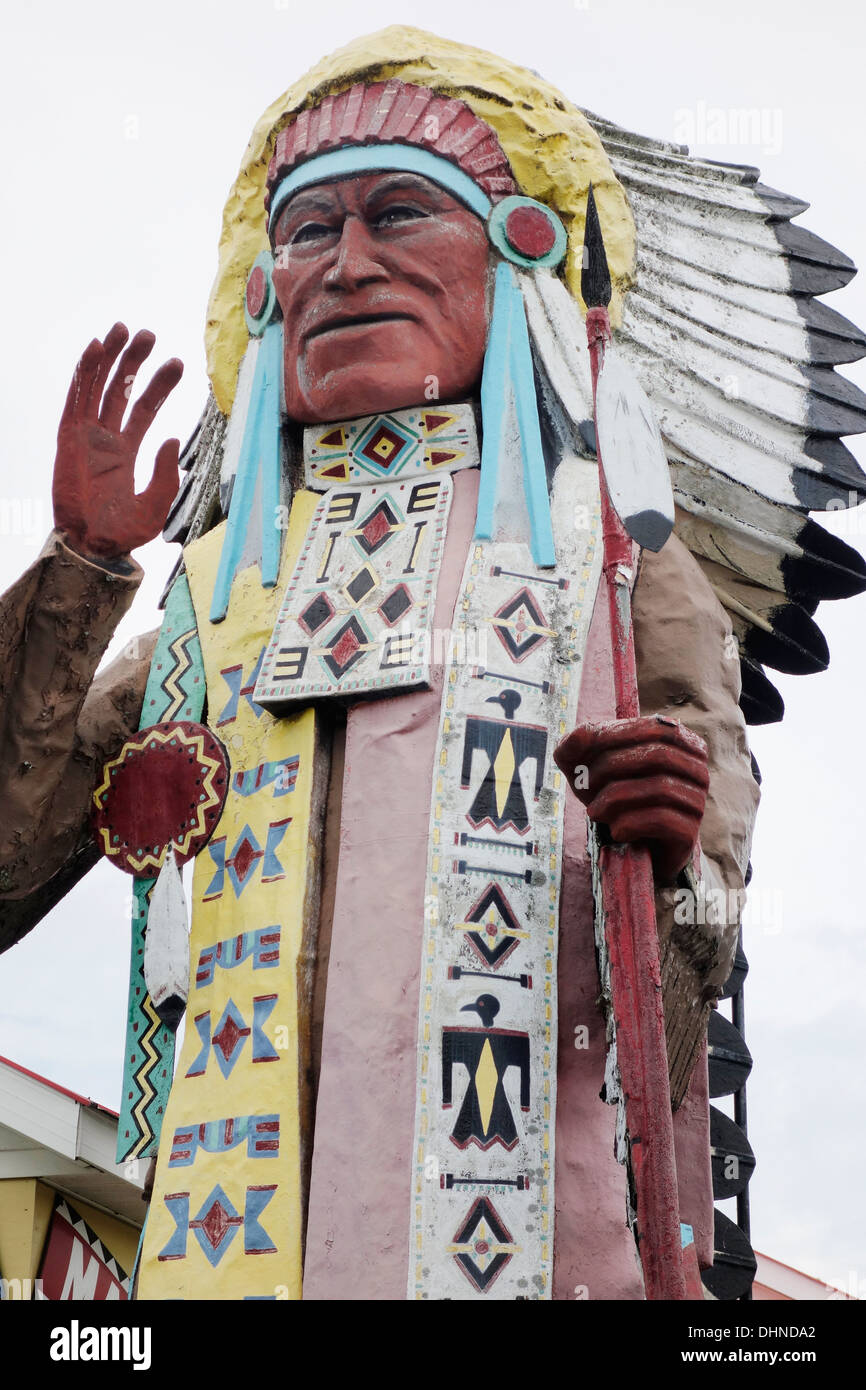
<point>95,504</point>
<point>646,780</point>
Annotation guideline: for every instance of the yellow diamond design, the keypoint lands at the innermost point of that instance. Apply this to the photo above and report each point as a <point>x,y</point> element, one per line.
<point>503,771</point>
<point>486,1077</point>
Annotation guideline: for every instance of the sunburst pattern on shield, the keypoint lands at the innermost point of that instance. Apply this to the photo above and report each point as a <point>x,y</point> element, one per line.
<point>166,786</point>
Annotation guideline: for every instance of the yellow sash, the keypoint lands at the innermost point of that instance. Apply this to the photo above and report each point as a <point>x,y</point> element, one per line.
<point>226,1218</point>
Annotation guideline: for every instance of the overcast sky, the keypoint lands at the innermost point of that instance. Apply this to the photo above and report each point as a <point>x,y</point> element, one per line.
<point>122,129</point>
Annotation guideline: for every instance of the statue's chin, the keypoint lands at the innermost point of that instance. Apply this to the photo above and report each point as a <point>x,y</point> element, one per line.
<point>369,387</point>
<point>325,407</point>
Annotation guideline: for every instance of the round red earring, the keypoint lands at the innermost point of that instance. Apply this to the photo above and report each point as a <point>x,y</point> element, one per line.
<point>260,298</point>
<point>526,232</point>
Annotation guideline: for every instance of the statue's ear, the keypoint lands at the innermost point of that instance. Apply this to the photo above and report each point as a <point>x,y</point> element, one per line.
<point>260,300</point>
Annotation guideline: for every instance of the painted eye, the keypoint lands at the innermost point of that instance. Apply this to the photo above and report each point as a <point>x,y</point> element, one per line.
<point>311,231</point>
<point>399,212</point>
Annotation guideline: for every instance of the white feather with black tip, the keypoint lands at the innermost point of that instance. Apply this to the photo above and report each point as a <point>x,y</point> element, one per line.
<point>166,945</point>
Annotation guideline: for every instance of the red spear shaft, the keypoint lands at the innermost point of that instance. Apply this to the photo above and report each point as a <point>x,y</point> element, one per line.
<point>628,895</point>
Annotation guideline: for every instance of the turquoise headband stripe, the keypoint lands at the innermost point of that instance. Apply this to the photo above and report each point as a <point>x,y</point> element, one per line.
<point>368,159</point>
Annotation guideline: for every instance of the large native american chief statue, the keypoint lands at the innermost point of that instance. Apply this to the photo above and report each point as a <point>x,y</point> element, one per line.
<point>446,1031</point>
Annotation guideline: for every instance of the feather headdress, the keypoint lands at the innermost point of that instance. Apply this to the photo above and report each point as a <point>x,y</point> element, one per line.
<point>715,305</point>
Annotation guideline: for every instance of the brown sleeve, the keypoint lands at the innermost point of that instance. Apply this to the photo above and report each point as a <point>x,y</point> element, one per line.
<point>688,669</point>
<point>58,725</point>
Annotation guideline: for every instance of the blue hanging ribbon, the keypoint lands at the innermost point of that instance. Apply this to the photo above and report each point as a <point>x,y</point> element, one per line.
<point>258,466</point>
<point>494,397</point>
<point>508,371</point>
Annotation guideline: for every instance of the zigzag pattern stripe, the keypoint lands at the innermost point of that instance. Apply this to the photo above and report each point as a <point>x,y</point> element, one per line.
<point>147,1041</point>
<point>175,694</point>
<point>149,1053</point>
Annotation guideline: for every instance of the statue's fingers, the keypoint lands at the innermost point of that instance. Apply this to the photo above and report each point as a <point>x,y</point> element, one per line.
<point>643,823</point>
<point>152,506</point>
<point>576,747</point>
<point>657,728</point>
<point>112,343</point>
<point>646,760</point>
<point>120,387</point>
<point>585,743</point>
<point>142,415</point>
<point>589,742</point>
<point>652,794</point>
<point>79,387</point>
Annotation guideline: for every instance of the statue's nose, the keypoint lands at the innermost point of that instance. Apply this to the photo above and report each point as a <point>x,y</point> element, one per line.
<point>356,263</point>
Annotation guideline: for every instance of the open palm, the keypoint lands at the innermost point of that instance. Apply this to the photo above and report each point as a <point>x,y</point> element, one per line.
<point>95,503</point>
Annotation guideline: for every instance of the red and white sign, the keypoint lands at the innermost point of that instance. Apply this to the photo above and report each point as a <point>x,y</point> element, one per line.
<point>76,1264</point>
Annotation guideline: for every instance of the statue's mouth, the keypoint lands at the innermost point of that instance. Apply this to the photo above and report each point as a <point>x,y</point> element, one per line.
<point>339,322</point>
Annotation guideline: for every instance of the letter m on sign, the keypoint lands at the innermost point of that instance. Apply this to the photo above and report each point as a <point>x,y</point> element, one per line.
<point>75,1263</point>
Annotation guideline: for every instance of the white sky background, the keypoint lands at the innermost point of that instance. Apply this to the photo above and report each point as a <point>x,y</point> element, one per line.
<point>122,128</point>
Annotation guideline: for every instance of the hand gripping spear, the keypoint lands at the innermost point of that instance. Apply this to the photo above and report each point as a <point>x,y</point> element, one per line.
<point>635,486</point>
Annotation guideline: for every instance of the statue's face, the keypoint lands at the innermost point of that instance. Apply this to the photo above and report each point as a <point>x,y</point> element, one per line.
<point>382,282</point>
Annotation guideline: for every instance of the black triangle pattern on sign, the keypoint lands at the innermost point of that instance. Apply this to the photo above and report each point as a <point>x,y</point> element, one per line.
<point>78,1223</point>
